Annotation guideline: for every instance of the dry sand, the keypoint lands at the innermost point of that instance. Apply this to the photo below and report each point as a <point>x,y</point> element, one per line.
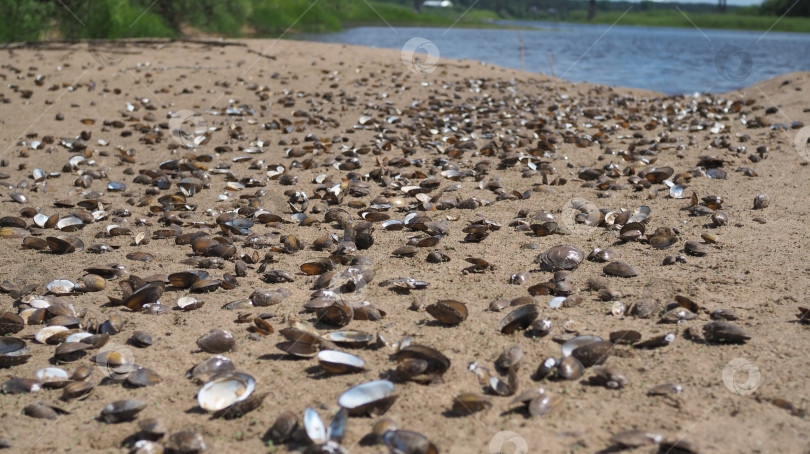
<point>757,269</point>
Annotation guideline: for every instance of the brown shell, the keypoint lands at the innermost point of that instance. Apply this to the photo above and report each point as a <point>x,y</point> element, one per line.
<point>619,269</point>
<point>64,244</point>
<point>448,312</point>
<point>519,318</point>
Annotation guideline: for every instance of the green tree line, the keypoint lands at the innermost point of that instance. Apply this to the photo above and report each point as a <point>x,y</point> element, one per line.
<point>30,20</point>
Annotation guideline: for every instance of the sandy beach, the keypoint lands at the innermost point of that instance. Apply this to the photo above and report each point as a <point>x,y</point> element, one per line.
<point>477,142</point>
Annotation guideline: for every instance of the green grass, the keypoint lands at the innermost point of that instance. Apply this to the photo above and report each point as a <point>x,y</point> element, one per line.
<point>729,21</point>
<point>273,18</point>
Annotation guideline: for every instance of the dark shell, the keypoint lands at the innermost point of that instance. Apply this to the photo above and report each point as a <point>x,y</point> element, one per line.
<point>216,341</point>
<point>724,332</point>
<point>432,366</point>
<point>625,337</point>
<point>42,410</point>
<point>562,257</point>
<point>121,410</point>
<point>186,279</point>
<point>64,244</point>
<point>619,269</point>
<point>143,376</point>
<point>148,294</point>
<point>695,248</point>
<point>338,314</point>
<point>519,318</point>
<point>469,403</point>
<point>593,353</point>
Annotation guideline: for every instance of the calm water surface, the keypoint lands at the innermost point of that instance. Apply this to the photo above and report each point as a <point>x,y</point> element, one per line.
<point>669,60</point>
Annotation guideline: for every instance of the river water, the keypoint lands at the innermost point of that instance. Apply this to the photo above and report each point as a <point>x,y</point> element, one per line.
<point>669,60</point>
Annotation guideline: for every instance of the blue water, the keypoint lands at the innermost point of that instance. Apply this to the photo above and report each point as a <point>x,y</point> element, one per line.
<point>669,60</point>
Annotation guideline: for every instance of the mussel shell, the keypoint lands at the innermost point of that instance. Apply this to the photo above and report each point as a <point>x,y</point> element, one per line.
<point>18,385</point>
<point>448,312</point>
<point>298,349</point>
<point>570,368</point>
<point>77,390</point>
<point>242,407</point>
<point>185,279</point>
<point>48,332</point>
<point>148,294</point>
<point>60,287</point>
<point>645,308</point>
<point>53,377</point>
<point>407,441</point>
<point>569,346</point>
<point>64,244</point>
<point>724,332</point>
<point>437,363</point>
<point>544,404</point>
<point>143,376</point>
<point>337,362</point>
<point>562,257</point>
<point>338,314</point>
<point>659,341</point>
<point>121,410</point>
<point>349,338</point>
<point>216,341</point>
<point>592,353</point>
<point>520,318</point>
<point>619,269</point>
<point>285,425</point>
<point>186,442</point>
<point>371,398</point>
<point>695,248</point>
<point>625,337</point>
<point>210,368</point>
<point>225,390</point>
<point>70,351</point>
<point>661,241</point>
<point>42,410</point>
<point>469,403</point>
<point>317,267</point>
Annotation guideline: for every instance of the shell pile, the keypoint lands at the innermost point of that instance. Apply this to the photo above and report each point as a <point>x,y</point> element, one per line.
<point>347,256</point>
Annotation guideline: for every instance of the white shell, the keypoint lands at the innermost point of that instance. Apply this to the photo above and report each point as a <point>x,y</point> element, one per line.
<point>60,286</point>
<point>52,374</point>
<point>340,358</point>
<point>556,302</point>
<point>42,335</point>
<point>69,223</point>
<point>225,390</point>
<point>365,393</point>
<point>314,427</point>
<point>40,219</point>
<point>77,337</point>
<point>186,301</point>
<point>39,303</point>
<point>578,341</point>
